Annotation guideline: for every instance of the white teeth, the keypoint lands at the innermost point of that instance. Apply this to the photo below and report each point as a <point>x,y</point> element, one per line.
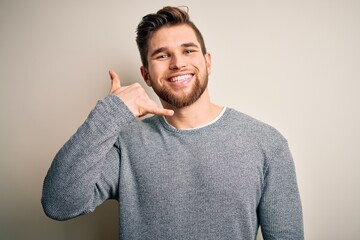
<point>180,78</point>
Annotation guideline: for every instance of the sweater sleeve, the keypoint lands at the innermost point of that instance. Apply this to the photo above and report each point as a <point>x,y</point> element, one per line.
<point>85,171</point>
<point>280,210</point>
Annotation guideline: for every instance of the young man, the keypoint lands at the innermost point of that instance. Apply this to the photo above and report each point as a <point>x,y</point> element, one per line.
<point>194,170</point>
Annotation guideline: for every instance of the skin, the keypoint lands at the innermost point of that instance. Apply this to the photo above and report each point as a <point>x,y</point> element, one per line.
<point>174,54</point>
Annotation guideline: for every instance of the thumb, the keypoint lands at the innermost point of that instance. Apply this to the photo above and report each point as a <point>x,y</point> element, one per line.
<point>115,81</point>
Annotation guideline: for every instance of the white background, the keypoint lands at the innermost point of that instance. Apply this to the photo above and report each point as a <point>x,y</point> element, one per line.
<point>292,64</point>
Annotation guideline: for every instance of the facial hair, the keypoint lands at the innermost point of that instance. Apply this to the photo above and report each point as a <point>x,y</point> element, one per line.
<point>181,100</point>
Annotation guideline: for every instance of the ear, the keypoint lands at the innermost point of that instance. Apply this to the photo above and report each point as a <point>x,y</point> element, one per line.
<point>208,62</point>
<point>145,75</point>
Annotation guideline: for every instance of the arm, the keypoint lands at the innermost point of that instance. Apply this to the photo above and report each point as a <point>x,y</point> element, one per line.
<point>85,171</point>
<point>280,211</point>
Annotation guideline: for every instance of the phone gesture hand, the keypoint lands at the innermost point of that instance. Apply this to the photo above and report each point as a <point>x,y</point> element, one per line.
<point>135,98</point>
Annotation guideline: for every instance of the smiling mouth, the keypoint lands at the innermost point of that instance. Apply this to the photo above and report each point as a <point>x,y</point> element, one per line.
<point>180,78</point>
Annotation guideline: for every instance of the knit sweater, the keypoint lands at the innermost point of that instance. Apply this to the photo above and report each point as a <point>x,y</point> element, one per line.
<point>220,181</point>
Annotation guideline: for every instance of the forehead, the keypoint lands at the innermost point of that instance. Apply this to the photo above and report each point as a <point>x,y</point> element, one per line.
<point>172,37</point>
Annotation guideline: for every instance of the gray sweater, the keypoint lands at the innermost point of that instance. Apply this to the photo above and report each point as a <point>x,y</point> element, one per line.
<point>220,181</point>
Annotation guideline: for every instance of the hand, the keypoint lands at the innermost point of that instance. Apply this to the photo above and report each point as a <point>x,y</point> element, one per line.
<point>135,98</point>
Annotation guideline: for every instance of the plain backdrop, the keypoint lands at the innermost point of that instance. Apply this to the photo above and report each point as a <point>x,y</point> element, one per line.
<point>294,64</point>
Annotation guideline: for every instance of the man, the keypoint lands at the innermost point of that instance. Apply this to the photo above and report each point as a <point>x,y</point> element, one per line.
<point>194,170</point>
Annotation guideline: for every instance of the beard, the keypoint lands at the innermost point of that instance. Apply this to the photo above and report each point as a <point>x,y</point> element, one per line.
<point>182,99</point>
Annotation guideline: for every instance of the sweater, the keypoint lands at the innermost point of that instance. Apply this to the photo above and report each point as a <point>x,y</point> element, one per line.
<point>220,181</point>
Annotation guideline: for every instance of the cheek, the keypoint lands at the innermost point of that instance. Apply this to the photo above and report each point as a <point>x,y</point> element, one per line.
<point>200,62</point>
<point>157,70</point>
<point>204,68</point>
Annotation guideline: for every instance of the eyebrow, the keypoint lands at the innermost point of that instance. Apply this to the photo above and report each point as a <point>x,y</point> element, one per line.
<point>189,44</point>
<point>164,49</point>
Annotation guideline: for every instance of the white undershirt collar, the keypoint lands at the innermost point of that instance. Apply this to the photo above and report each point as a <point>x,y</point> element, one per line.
<point>202,126</point>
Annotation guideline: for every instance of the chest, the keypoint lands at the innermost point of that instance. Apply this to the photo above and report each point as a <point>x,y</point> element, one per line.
<point>173,169</point>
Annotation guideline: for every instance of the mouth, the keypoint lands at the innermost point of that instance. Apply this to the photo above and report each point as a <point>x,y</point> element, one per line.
<point>180,78</point>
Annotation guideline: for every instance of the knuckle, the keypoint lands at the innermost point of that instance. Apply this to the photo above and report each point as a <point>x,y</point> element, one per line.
<point>141,91</point>
<point>137,88</point>
<point>136,85</point>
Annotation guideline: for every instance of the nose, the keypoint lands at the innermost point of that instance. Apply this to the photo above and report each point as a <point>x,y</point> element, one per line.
<point>177,62</point>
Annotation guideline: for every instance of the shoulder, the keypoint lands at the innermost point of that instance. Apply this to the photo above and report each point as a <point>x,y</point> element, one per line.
<point>249,127</point>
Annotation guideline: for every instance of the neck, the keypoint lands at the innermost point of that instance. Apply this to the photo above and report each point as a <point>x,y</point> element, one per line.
<point>197,114</point>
